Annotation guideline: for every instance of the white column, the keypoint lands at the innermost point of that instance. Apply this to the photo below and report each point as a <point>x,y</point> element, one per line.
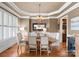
<point>61,30</point>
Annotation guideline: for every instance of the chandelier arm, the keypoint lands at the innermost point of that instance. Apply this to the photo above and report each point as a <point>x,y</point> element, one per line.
<point>39,9</point>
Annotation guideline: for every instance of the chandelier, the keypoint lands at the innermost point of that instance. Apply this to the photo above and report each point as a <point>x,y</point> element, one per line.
<point>39,17</point>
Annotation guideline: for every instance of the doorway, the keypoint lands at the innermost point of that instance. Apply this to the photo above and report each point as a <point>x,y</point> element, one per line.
<point>64,28</point>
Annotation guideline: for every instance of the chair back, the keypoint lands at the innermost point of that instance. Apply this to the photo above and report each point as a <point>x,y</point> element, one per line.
<point>32,40</point>
<point>19,37</point>
<point>32,34</point>
<point>44,40</point>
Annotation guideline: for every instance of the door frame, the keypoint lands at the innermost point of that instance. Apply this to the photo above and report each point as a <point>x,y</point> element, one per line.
<point>64,17</point>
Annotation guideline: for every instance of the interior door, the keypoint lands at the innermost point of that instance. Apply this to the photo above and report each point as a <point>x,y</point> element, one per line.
<point>64,28</point>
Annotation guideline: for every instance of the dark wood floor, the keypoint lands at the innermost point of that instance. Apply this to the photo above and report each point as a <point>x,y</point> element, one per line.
<point>60,51</point>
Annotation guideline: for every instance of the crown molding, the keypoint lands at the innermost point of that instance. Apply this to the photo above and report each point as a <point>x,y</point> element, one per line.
<point>8,9</point>
<point>68,10</point>
<point>49,17</point>
<point>61,9</point>
<point>65,12</point>
<point>36,14</point>
<point>2,5</point>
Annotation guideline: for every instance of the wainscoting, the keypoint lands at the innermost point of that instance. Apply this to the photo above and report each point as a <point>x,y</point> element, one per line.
<point>7,43</point>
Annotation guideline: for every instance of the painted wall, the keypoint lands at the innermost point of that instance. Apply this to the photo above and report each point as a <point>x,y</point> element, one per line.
<point>24,23</point>
<point>53,25</point>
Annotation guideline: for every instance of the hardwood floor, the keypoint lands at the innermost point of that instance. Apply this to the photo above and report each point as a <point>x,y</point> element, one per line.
<point>55,52</point>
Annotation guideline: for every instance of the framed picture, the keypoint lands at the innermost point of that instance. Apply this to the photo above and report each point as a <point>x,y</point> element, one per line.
<point>39,26</point>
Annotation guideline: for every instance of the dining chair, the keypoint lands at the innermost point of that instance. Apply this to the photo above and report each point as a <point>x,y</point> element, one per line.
<point>20,43</point>
<point>44,46</point>
<point>32,44</point>
<point>56,42</point>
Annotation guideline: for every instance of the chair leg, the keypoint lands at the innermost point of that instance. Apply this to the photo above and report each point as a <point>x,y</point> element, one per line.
<point>21,49</point>
<point>25,48</point>
<point>40,52</point>
<point>48,52</point>
<point>18,49</point>
<point>36,51</point>
<point>29,50</point>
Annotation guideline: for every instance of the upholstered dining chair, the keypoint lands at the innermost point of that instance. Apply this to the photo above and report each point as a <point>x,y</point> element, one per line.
<point>44,46</point>
<point>32,43</point>
<point>20,43</point>
<point>56,42</point>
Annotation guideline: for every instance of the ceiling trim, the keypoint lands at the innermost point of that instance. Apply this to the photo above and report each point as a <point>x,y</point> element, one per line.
<point>61,9</point>
<point>36,14</point>
<point>68,10</point>
<point>7,8</point>
<point>49,17</point>
<point>2,5</point>
<point>65,12</point>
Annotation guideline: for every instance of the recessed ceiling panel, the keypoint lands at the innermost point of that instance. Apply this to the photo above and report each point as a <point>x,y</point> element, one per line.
<point>33,7</point>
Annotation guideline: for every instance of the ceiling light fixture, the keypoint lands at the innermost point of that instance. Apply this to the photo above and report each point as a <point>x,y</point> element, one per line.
<point>39,17</point>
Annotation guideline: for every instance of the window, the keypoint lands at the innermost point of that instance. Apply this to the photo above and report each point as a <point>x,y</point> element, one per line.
<point>6,32</point>
<point>8,25</point>
<point>10,20</point>
<point>1,33</point>
<point>10,32</point>
<point>14,21</point>
<point>75,23</point>
<point>1,26</point>
<point>5,18</point>
<point>14,32</point>
<point>0,18</point>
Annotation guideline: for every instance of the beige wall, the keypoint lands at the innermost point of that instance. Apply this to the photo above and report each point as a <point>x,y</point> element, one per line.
<point>53,25</point>
<point>25,23</point>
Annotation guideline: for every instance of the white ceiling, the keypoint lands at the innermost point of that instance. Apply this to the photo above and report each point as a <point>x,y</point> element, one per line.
<point>32,7</point>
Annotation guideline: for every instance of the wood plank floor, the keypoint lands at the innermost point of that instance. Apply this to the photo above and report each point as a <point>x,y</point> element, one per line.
<point>56,52</point>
